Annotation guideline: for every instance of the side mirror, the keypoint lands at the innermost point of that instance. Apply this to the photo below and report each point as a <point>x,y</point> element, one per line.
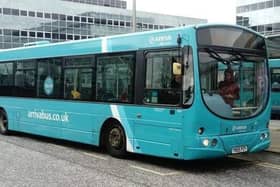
<point>177,68</point>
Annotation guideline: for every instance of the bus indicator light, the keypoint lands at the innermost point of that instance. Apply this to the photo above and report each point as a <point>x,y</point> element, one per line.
<point>214,142</point>
<point>201,130</point>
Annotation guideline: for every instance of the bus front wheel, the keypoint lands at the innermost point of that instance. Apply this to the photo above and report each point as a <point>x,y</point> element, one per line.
<point>115,141</point>
<point>3,123</point>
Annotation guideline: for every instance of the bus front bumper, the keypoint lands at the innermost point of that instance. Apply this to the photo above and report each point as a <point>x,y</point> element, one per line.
<point>227,145</point>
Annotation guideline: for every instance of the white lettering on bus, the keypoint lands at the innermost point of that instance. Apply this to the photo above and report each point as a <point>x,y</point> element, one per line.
<point>160,39</point>
<point>239,128</point>
<point>42,115</point>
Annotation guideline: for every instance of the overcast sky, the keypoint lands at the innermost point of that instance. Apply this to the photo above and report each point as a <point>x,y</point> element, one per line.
<point>215,11</point>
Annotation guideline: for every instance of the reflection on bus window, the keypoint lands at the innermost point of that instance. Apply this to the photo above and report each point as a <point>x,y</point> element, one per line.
<point>49,69</point>
<point>161,86</point>
<point>78,78</point>
<point>114,78</point>
<point>6,79</point>
<point>275,79</point>
<point>25,79</point>
<point>233,86</point>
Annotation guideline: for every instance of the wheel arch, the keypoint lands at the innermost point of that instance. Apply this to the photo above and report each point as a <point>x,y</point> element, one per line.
<point>105,125</point>
<point>2,110</point>
<point>5,117</point>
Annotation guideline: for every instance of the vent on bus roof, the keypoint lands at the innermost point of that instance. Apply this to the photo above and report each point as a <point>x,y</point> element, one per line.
<point>36,43</point>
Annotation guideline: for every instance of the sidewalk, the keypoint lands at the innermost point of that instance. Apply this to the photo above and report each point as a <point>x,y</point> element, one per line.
<point>275,136</point>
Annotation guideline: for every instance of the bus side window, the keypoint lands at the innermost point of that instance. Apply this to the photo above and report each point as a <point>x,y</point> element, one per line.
<point>6,78</point>
<point>49,78</point>
<point>161,86</point>
<point>114,78</point>
<point>275,79</point>
<point>78,74</point>
<point>25,79</point>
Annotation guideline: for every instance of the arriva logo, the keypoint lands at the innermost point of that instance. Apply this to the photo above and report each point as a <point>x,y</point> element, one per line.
<point>160,39</point>
<point>239,128</point>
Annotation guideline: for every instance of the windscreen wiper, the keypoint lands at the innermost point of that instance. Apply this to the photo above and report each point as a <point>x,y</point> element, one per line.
<point>216,56</point>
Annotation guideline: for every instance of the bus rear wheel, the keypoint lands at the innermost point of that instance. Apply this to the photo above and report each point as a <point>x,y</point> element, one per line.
<point>3,123</point>
<point>115,140</point>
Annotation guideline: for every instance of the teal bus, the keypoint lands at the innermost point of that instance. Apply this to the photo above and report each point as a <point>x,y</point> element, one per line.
<point>274,64</point>
<point>154,93</point>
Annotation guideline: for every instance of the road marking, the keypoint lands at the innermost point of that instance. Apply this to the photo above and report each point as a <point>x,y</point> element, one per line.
<point>153,172</point>
<point>95,156</point>
<point>268,165</point>
<point>55,145</point>
<point>258,163</point>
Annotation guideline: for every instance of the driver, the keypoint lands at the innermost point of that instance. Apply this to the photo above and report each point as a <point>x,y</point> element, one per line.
<point>228,89</point>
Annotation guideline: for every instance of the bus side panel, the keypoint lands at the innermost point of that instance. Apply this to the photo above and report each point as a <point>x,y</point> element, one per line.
<point>36,117</point>
<point>83,122</point>
<point>64,120</point>
<point>158,132</point>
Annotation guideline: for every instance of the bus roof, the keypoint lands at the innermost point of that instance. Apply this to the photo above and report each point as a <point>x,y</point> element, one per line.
<point>109,44</point>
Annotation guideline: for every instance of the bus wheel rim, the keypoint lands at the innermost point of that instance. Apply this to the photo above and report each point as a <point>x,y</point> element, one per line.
<point>115,138</point>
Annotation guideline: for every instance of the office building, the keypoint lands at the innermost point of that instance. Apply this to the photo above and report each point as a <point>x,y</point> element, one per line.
<point>261,15</point>
<point>25,21</point>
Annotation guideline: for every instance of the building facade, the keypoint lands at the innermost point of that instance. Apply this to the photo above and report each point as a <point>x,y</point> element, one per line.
<point>260,15</point>
<point>25,21</point>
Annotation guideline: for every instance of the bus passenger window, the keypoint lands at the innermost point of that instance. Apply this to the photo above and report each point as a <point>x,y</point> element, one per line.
<point>49,78</point>
<point>275,79</point>
<point>25,79</point>
<point>114,78</point>
<point>6,79</point>
<point>78,78</point>
<point>161,86</point>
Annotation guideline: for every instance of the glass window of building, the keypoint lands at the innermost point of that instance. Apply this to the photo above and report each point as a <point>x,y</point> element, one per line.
<point>54,16</point>
<point>69,18</point>
<point>23,33</point>
<point>47,35</point>
<point>7,11</point>
<point>31,14</point>
<point>15,12</point>
<point>32,34</point>
<point>77,18</point>
<point>47,15</point>
<point>39,14</point>
<point>90,20</point>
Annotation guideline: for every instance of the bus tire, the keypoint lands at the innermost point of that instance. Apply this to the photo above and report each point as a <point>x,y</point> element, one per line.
<point>115,140</point>
<point>3,123</point>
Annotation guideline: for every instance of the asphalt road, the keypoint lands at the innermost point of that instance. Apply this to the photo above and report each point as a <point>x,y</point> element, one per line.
<point>27,160</point>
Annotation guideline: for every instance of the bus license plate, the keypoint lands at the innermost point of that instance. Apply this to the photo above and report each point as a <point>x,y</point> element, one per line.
<point>239,149</point>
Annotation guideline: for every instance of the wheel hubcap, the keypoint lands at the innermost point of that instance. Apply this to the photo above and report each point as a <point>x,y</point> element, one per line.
<point>115,138</point>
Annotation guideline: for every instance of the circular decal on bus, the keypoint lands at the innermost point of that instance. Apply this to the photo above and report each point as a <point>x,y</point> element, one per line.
<point>48,85</point>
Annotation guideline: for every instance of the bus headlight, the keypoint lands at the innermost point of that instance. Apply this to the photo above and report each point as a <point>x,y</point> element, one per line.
<point>205,142</point>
